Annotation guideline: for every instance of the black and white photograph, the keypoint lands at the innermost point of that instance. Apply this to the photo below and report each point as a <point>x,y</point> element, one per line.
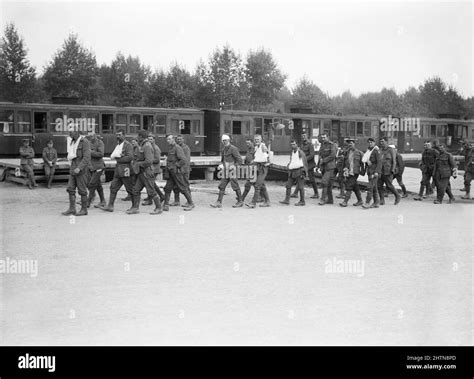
<point>236,173</point>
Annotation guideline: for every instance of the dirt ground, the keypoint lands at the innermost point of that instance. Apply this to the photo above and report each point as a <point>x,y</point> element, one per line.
<point>284,275</point>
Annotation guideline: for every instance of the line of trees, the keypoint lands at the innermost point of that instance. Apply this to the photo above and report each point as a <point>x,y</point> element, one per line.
<point>225,80</point>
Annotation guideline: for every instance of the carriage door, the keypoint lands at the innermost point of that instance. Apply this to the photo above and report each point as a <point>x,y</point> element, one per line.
<point>40,129</point>
<point>335,132</point>
<point>267,134</point>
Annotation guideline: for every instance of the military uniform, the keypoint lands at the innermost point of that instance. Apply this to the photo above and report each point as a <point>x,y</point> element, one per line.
<point>96,167</point>
<point>26,163</point>
<point>186,170</point>
<point>389,164</point>
<point>327,165</point>
<point>249,157</point>
<point>297,171</point>
<point>428,158</point>
<point>352,168</point>
<point>230,158</point>
<point>340,157</point>
<point>468,170</point>
<point>49,155</point>
<point>156,166</point>
<point>373,168</point>
<point>399,173</point>
<point>262,163</point>
<point>443,169</point>
<point>308,149</point>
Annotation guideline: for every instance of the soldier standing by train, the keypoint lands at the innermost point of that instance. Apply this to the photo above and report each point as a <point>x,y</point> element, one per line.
<point>340,157</point>
<point>373,168</point>
<point>352,168</point>
<point>79,156</point>
<point>249,157</point>
<point>174,163</point>
<point>444,167</point>
<point>27,154</point>
<point>186,169</point>
<point>399,171</point>
<point>96,167</point>
<point>468,168</point>
<point>261,160</point>
<point>156,169</point>
<point>428,158</point>
<point>297,172</point>
<point>327,166</point>
<point>308,148</point>
<point>389,164</point>
<point>123,154</point>
<point>50,157</point>
<point>229,160</point>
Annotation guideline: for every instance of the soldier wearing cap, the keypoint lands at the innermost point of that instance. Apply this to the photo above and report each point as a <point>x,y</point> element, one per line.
<point>327,166</point>
<point>96,168</point>
<point>389,164</point>
<point>230,159</point>
<point>399,169</point>
<point>308,148</point>
<point>249,157</point>
<point>27,154</point>
<point>373,167</point>
<point>50,157</point>
<point>468,168</point>
<point>156,169</point>
<point>261,160</point>
<point>444,167</point>
<point>297,171</point>
<point>428,158</point>
<point>186,168</point>
<point>340,157</point>
<point>352,168</point>
<point>175,160</point>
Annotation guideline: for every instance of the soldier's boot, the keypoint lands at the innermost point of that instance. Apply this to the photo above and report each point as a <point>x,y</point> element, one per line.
<point>33,181</point>
<point>72,206</point>
<point>84,206</point>
<point>110,206</point>
<point>419,197</point>
<point>157,209</point>
<point>166,207</point>
<point>450,195</point>
<point>377,200</point>
<point>147,201</point>
<point>330,196</point>
<point>244,195</point>
<point>381,196</point>
<point>342,189</point>
<point>287,197</point>
<point>189,199</point>
<point>176,202</point>
<point>397,197</point>
<point>366,205</point>
<point>135,205</point>
<point>159,192</point>
<point>301,202</point>
<point>347,197</point>
<point>266,198</point>
<point>29,183</point>
<point>324,195</point>
<point>90,199</point>
<point>294,195</point>
<point>315,189</point>
<point>468,193</point>
<point>239,199</point>
<point>127,198</point>
<point>359,198</point>
<point>218,203</point>
<point>404,190</point>
<point>102,203</point>
<point>50,181</point>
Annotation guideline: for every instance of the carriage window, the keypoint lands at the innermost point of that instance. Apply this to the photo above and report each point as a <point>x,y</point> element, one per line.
<point>360,128</point>
<point>185,126</point>
<point>160,125</point>
<point>246,127</point>
<point>24,122</point>
<point>352,128</point>
<point>327,126</point>
<point>237,127</point>
<point>196,127</point>
<point>107,123</point>
<point>375,128</point>
<point>6,121</point>
<point>41,123</point>
<point>135,124</point>
<point>227,127</point>
<point>367,128</point>
<point>305,126</point>
<point>93,122</point>
<point>334,128</point>
<point>276,124</point>
<point>442,130</point>
<point>174,127</point>
<point>258,126</point>
<point>344,128</point>
<point>461,131</point>
<point>433,131</point>
<point>148,122</point>
<point>121,121</point>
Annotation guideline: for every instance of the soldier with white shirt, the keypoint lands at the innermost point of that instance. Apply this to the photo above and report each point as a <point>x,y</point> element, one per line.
<point>298,170</point>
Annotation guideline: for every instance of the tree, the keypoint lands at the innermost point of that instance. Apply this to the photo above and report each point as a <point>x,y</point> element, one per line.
<point>433,96</point>
<point>179,87</point>
<point>346,103</point>
<point>306,94</point>
<point>73,72</point>
<point>157,94</point>
<point>17,76</point>
<point>264,78</point>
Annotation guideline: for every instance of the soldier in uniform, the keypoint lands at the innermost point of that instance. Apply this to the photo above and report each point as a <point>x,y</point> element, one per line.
<point>428,158</point>
<point>261,160</point>
<point>26,162</point>
<point>352,168</point>
<point>186,169</point>
<point>79,156</point>
<point>96,167</point>
<point>175,161</point>
<point>156,169</point>
<point>468,168</point>
<point>50,157</point>
<point>229,160</point>
<point>142,167</point>
<point>389,164</point>
<point>399,171</point>
<point>123,154</point>
<point>308,148</point>
<point>134,143</point>
<point>373,167</point>
<point>327,166</point>
<point>444,167</point>
<point>249,157</point>
<point>340,157</point>
<point>298,170</point>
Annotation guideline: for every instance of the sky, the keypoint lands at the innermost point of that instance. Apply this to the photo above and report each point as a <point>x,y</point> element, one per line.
<point>339,45</point>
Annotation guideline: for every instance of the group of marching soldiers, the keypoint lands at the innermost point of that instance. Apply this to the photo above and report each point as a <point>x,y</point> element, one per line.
<point>138,165</point>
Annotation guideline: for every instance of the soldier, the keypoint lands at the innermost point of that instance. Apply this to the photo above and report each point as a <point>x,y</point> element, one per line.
<point>468,168</point>
<point>156,169</point>
<point>142,167</point>
<point>229,160</point>
<point>79,156</point>
<point>308,148</point>
<point>133,177</point>
<point>261,160</point>
<point>444,167</point>
<point>428,158</point>
<point>352,168</point>
<point>123,154</point>
<point>249,157</point>
<point>298,170</point>
<point>96,167</point>
<point>389,164</point>
<point>26,162</point>
<point>50,157</point>
<point>174,163</point>
<point>327,166</point>
<point>340,157</point>
<point>186,169</point>
<point>399,171</point>
<point>373,168</point>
